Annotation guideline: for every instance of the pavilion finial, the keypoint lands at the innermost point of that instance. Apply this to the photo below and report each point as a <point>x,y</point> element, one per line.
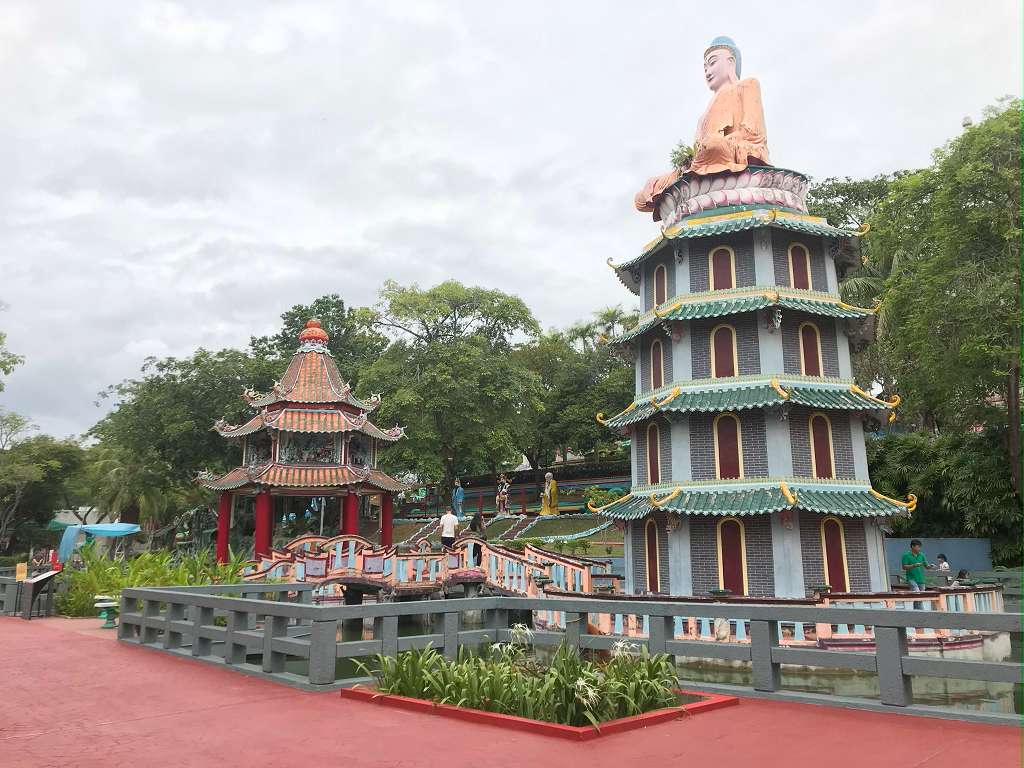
<point>313,332</point>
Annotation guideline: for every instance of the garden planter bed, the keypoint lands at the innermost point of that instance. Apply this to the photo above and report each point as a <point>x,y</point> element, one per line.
<point>708,701</point>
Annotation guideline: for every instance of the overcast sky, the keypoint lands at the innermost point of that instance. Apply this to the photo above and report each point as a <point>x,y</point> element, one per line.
<point>176,175</point>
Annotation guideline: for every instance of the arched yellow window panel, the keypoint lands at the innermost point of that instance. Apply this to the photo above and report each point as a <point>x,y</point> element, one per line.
<point>653,454</point>
<point>819,428</point>
<point>724,358</point>
<point>732,555</point>
<point>660,285</point>
<point>833,554</point>
<point>657,364</point>
<point>721,268</point>
<point>653,556</point>
<point>728,440</point>
<point>810,350</point>
<point>799,266</point>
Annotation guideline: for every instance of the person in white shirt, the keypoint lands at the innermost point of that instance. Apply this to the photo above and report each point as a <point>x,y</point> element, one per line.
<point>943,562</point>
<point>449,525</point>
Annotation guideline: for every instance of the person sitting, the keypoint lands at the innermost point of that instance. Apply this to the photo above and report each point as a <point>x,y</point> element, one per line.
<point>961,576</point>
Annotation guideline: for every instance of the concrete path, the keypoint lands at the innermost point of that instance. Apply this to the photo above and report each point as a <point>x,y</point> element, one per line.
<point>70,695</point>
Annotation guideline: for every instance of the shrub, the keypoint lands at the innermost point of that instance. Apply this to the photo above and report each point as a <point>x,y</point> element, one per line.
<point>504,679</point>
<point>101,576</point>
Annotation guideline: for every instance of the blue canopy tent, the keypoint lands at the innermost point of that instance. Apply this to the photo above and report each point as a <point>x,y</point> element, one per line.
<point>110,530</point>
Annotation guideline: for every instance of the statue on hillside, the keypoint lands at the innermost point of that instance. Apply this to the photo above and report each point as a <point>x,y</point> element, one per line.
<point>731,133</point>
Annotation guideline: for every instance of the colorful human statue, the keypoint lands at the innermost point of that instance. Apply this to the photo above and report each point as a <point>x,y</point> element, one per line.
<point>731,133</point>
<point>549,496</point>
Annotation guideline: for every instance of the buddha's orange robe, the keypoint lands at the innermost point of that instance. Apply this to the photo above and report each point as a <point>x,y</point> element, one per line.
<point>730,136</point>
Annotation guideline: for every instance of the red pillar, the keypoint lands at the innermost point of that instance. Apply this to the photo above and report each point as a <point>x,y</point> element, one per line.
<point>264,523</point>
<point>386,516</point>
<point>480,505</point>
<point>522,498</point>
<point>223,526</point>
<point>350,515</point>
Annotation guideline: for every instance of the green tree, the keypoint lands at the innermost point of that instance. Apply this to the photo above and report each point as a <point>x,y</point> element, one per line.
<point>953,336</point>
<point>131,487</point>
<point>354,341</point>
<point>449,377</point>
<point>34,474</point>
<point>165,417</point>
<point>962,484</point>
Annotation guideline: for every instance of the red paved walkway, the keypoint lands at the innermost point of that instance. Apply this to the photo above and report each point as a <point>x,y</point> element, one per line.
<point>70,696</point>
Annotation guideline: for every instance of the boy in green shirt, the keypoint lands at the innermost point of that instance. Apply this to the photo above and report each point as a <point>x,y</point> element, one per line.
<point>914,564</point>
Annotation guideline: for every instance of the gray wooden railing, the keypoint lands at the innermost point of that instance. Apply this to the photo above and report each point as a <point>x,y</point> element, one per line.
<point>14,594</point>
<point>261,629</point>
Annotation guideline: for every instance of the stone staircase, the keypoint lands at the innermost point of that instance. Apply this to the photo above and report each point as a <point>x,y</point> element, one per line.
<point>513,532</point>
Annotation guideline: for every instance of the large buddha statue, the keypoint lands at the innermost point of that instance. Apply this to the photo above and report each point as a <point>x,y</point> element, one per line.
<point>730,134</point>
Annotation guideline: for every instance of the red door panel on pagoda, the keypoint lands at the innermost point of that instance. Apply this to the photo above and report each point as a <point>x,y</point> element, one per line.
<point>800,275</point>
<point>730,550</point>
<point>727,445</point>
<point>723,352</point>
<point>835,554</point>
<point>809,348</point>
<point>821,446</point>
<point>721,269</point>
<point>653,454</point>
<point>653,578</point>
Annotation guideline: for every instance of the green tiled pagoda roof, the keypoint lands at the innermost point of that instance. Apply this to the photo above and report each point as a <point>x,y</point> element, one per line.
<point>757,497</point>
<point>717,224</point>
<point>697,306</point>
<point>741,393</point>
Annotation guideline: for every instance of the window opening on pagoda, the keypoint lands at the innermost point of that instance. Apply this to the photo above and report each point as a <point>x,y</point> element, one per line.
<point>653,454</point>
<point>732,556</point>
<point>833,552</point>
<point>822,461</point>
<point>660,285</point>
<point>810,350</point>
<point>359,451</point>
<point>301,448</point>
<point>722,268</point>
<point>657,364</point>
<point>724,360</point>
<point>799,266</point>
<point>258,449</point>
<point>728,446</point>
<point>653,563</point>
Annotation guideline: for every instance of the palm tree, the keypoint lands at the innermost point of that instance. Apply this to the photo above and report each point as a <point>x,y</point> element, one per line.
<point>130,488</point>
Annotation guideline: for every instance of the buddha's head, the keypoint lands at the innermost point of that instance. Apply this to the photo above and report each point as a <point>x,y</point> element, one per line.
<point>722,63</point>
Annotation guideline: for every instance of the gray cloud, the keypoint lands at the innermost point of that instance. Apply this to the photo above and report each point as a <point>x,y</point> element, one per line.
<point>178,174</point>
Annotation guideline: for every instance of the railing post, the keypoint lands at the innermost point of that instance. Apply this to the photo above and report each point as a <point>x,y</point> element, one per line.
<point>150,609</point>
<point>894,687</point>
<point>200,616</point>
<point>273,626</point>
<point>385,629</point>
<point>172,635</point>
<point>764,637</point>
<point>125,631</point>
<point>322,651</point>
<point>496,620</point>
<point>659,630</point>
<point>572,628</point>
<point>451,634</point>
<point>234,651</point>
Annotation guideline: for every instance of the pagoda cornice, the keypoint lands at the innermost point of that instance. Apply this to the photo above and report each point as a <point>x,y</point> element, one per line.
<point>709,304</point>
<point>734,219</point>
<point>746,392</point>
<point>310,420</point>
<point>303,476</point>
<point>757,496</point>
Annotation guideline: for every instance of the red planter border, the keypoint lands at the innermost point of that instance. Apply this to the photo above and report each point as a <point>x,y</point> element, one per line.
<point>708,702</point>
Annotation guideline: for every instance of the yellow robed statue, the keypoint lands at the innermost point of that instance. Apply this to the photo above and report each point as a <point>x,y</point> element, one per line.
<point>549,497</point>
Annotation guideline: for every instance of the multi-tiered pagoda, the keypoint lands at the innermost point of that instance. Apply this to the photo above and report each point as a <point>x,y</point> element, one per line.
<point>310,436</point>
<point>747,431</point>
